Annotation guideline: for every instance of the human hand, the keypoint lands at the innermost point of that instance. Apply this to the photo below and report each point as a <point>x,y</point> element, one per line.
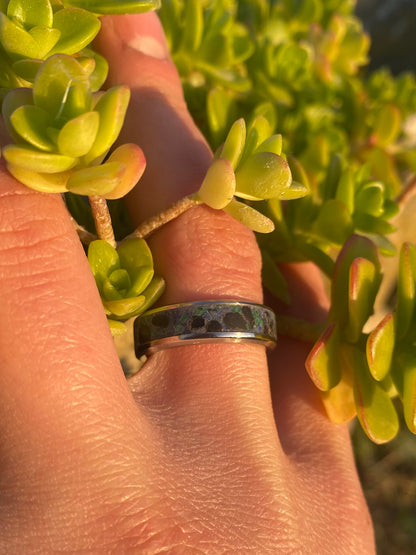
<point>205,450</point>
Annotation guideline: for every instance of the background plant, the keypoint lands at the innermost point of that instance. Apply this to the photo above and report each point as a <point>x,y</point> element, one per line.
<point>350,142</point>
<point>314,129</point>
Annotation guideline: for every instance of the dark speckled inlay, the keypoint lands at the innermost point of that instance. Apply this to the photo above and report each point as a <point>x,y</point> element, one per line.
<point>203,322</point>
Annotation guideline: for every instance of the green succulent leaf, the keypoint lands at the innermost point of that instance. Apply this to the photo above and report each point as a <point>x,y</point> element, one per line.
<point>31,13</point>
<point>78,135</point>
<point>77,28</point>
<point>45,38</point>
<point>406,289</point>
<point>136,257</point>
<point>132,157</point>
<point>103,260</point>
<point>249,217</point>
<point>114,6</point>
<point>31,123</point>
<point>53,80</point>
<point>334,222</point>
<point>407,370</point>
<point>34,160</point>
<point>375,409</point>
<point>233,146</point>
<point>124,308</point>
<point>17,42</point>
<point>323,362</point>
<point>380,348</point>
<point>355,247</point>
<point>43,182</point>
<point>96,180</point>
<point>258,131</point>
<point>111,108</point>
<point>220,108</point>
<point>364,281</point>
<point>27,69</point>
<point>218,186</point>
<point>263,175</point>
<point>116,328</point>
<point>152,292</point>
<point>388,125</point>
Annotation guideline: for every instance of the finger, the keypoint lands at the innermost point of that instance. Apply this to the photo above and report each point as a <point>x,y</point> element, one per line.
<point>203,254</point>
<point>62,391</point>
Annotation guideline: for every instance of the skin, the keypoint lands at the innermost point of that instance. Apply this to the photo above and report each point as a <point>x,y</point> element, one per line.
<point>210,448</point>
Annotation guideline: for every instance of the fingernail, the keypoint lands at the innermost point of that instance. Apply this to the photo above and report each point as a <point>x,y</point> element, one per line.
<point>143,33</point>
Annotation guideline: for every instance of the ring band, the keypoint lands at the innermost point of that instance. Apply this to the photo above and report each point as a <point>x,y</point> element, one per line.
<point>204,322</point>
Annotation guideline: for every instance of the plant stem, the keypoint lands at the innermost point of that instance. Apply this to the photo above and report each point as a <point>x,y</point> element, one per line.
<point>172,212</point>
<point>297,328</point>
<point>84,235</point>
<point>102,219</point>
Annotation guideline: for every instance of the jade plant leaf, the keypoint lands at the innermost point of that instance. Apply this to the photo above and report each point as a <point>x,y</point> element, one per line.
<point>364,281</point>
<point>111,108</point>
<point>96,180</point>
<point>31,13</point>
<point>380,347</point>
<point>132,157</point>
<point>375,409</point>
<point>248,216</point>
<point>136,258</point>
<point>233,146</point>
<point>77,28</point>
<point>218,186</point>
<point>406,289</point>
<point>263,175</point>
<point>78,135</point>
<point>114,6</point>
<point>323,363</point>
<point>31,123</point>
<point>33,160</point>
<point>53,80</point>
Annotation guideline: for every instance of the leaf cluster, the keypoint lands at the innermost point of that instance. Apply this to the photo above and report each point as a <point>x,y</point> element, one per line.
<point>350,142</point>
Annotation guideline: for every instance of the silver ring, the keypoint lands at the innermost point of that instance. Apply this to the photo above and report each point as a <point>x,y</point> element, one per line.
<point>203,322</point>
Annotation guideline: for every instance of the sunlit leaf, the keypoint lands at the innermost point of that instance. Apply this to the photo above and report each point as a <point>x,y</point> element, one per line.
<point>263,175</point>
<point>30,13</point>
<point>111,107</point>
<point>136,258</point>
<point>375,409</point>
<point>77,29</point>
<point>31,122</point>
<point>380,347</point>
<point>323,363</point>
<point>233,146</point>
<point>135,163</point>
<point>249,217</point>
<point>115,6</point>
<point>33,160</point>
<point>96,180</point>
<point>218,186</point>
<point>406,288</point>
<point>77,136</point>
<point>364,281</point>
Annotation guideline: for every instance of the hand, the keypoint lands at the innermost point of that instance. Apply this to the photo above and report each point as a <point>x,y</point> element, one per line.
<point>205,450</point>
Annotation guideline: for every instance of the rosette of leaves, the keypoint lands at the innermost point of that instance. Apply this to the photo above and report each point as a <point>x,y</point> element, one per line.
<point>32,30</point>
<point>63,131</point>
<point>249,166</point>
<point>343,203</point>
<point>125,279</point>
<point>338,363</point>
<point>391,351</point>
